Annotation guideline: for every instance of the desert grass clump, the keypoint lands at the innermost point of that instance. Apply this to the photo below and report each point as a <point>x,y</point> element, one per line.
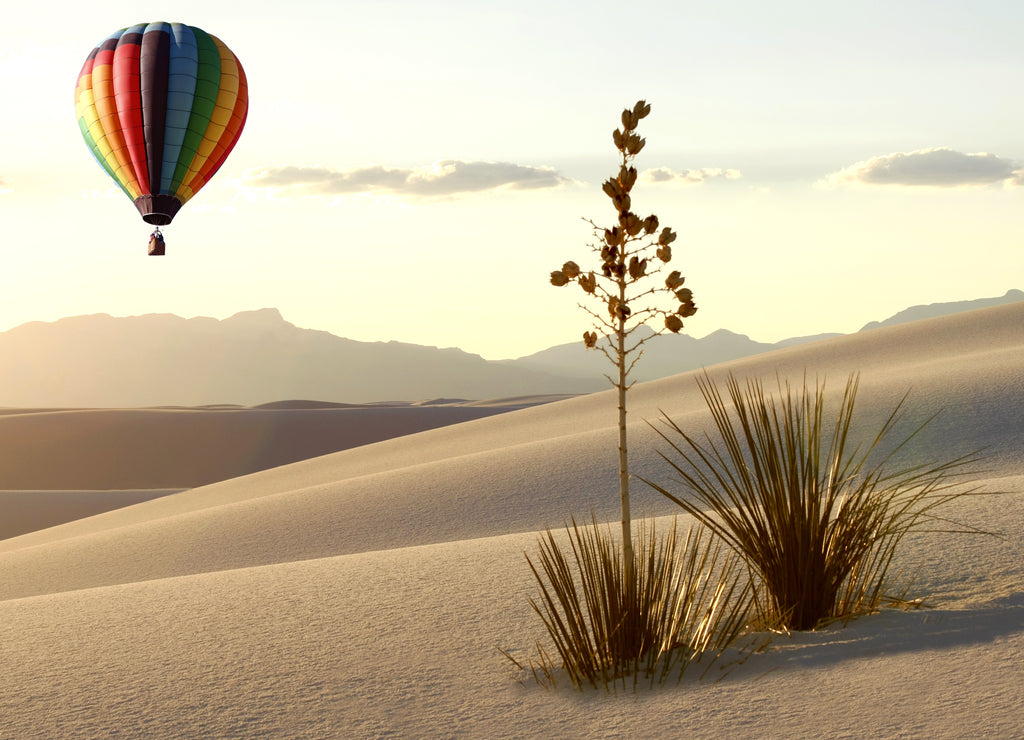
<point>817,518</point>
<point>689,602</point>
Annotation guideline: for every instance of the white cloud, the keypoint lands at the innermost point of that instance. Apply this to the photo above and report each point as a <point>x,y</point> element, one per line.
<point>5,186</point>
<point>940,167</point>
<point>689,177</point>
<point>443,178</point>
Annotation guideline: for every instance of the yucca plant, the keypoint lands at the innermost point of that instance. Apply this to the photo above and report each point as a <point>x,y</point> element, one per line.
<point>605,605</point>
<point>689,602</point>
<point>816,517</point>
<point>632,253</point>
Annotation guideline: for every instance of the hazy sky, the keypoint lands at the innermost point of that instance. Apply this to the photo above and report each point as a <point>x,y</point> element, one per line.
<point>414,170</point>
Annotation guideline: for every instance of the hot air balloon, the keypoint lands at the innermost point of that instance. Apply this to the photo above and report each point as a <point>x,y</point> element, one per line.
<point>161,105</point>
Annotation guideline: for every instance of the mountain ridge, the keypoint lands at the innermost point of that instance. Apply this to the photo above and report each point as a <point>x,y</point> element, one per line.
<point>256,356</point>
<point>931,310</point>
<point>668,354</point>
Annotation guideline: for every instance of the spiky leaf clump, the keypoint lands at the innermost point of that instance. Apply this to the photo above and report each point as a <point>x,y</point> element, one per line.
<point>817,519</point>
<point>688,604</point>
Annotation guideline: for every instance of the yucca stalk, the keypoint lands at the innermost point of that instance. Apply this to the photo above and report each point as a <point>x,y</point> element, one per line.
<point>622,287</point>
<point>817,519</point>
<point>688,603</point>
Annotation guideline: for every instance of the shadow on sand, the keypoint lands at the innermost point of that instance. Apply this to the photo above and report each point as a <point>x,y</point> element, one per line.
<point>889,633</point>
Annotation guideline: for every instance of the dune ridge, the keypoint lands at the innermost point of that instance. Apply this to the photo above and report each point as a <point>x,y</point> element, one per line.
<point>365,593</point>
<point>143,448</point>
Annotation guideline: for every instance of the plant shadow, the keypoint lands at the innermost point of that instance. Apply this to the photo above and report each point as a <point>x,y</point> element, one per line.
<point>890,632</point>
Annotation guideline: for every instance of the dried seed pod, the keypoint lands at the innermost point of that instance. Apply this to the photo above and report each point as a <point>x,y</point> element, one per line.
<point>618,309</point>
<point>666,237</point>
<point>588,282</point>
<point>620,140</point>
<point>627,178</point>
<point>637,268</point>
<point>641,110</point>
<point>571,269</point>
<point>674,280</point>
<point>673,323</point>
<point>650,224</point>
<point>590,339</point>
<point>664,253</point>
<point>558,279</point>
<point>613,306</point>
<point>687,309</point>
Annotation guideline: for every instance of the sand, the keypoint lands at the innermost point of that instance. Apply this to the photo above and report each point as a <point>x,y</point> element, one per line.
<point>116,457</point>
<point>367,592</point>
<point>29,511</point>
<point>143,448</point>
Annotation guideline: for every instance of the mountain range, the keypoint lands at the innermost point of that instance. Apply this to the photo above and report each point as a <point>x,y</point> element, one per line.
<point>256,357</point>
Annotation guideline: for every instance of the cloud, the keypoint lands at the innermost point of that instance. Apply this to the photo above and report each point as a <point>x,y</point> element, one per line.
<point>5,186</point>
<point>939,168</point>
<point>443,178</point>
<point>689,177</point>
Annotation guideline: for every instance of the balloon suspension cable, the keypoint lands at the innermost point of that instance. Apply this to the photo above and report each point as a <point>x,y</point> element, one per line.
<point>156,243</point>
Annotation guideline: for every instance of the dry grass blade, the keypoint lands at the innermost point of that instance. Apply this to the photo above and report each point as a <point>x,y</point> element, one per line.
<point>688,602</point>
<point>816,518</point>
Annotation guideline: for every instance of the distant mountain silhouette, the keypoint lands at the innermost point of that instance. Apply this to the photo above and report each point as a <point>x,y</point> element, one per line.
<point>916,313</point>
<point>250,358</point>
<point>256,357</point>
<point>670,354</point>
<point>664,355</point>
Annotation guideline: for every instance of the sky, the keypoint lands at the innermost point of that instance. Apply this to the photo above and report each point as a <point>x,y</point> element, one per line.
<point>413,171</point>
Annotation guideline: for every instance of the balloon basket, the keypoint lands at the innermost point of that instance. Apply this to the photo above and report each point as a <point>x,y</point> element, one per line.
<point>156,243</point>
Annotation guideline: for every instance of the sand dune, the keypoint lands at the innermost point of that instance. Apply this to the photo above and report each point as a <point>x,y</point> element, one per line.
<point>365,593</point>
<point>144,448</point>
<point>81,462</point>
<point>403,643</point>
<point>30,511</point>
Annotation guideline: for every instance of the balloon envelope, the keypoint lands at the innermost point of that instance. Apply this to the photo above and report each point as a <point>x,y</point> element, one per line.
<point>161,105</point>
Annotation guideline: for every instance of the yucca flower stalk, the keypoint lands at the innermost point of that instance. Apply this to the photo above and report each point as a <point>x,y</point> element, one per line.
<point>817,518</point>
<point>631,252</point>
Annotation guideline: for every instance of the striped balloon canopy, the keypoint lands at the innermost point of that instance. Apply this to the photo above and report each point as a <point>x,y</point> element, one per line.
<point>161,106</point>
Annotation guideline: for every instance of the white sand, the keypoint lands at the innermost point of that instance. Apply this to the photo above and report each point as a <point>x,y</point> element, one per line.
<point>29,511</point>
<point>143,448</point>
<point>366,593</point>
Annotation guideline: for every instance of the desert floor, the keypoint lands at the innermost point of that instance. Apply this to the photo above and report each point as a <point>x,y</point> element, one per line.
<point>368,592</point>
